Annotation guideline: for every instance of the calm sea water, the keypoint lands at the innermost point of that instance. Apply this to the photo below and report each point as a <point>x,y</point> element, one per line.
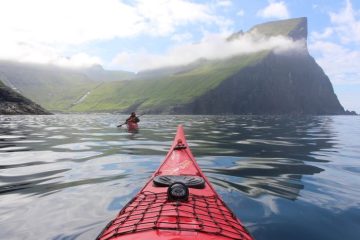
<point>67,176</point>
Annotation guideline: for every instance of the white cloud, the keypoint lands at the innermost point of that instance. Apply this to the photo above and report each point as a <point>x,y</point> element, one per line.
<point>67,21</point>
<point>240,13</point>
<point>78,60</point>
<point>59,25</point>
<point>335,52</point>
<point>322,35</point>
<point>162,17</point>
<point>339,60</point>
<point>182,37</point>
<point>341,64</point>
<point>224,3</point>
<point>347,24</point>
<point>74,22</point>
<point>212,46</point>
<point>274,10</point>
<point>225,25</point>
<point>42,54</point>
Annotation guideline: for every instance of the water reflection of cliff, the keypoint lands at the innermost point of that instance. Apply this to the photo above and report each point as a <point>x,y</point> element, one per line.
<point>264,155</point>
<point>252,154</point>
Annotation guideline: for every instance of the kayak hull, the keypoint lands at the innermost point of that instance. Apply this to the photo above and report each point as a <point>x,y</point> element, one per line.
<point>131,126</point>
<point>152,214</point>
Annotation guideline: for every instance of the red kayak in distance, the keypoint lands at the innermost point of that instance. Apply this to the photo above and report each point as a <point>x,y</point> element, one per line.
<point>132,126</point>
<point>177,203</point>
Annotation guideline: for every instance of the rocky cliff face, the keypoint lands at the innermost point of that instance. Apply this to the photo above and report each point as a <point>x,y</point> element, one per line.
<point>14,104</point>
<point>281,83</point>
<point>280,79</point>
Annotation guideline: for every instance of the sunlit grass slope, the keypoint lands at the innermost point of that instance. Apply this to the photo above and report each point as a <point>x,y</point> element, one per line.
<point>156,90</point>
<point>57,91</point>
<point>160,93</point>
<point>282,27</point>
<point>53,88</point>
<point>177,88</point>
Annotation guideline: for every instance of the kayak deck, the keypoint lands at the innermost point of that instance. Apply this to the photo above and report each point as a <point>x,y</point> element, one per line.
<point>152,215</point>
<point>149,211</point>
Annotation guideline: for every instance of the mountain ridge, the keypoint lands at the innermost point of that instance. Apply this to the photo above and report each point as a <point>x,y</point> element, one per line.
<point>262,82</point>
<point>56,88</point>
<point>254,98</point>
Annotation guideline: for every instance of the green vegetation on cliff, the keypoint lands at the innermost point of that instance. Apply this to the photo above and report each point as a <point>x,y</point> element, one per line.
<point>160,90</point>
<point>56,89</point>
<point>262,82</point>
<point>283,27</point>
<point>161,93</point>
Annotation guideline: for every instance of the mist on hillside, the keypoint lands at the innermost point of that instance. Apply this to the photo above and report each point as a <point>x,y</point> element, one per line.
<point>211,47</point>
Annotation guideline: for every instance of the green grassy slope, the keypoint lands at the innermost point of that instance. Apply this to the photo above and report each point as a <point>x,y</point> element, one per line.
<point>98,73</point>
<point>55,91</point>
<point>165,88</point>
<point>160,93</point>
<point>55,88</point>
<point>58,89</point>
<point>275,28</point>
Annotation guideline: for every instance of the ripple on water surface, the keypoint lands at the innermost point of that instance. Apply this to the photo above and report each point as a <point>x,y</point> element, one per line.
<point>284,177</point>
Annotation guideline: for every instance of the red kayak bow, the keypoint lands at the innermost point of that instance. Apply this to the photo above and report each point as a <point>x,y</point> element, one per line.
<point>132,126</point>
<point>177,203</point>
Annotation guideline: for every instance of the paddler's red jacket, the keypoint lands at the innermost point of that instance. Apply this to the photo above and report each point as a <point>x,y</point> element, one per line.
<point>133,119</point>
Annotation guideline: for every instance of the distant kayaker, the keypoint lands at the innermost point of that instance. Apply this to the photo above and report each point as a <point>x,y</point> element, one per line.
<point>132,119</point>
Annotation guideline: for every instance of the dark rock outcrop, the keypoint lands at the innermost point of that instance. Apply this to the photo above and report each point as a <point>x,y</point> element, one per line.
<point>12,103</point>
<point>279,79</point>
<point>279,84</point>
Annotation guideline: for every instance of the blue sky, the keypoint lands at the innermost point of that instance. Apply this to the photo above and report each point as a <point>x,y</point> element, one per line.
<point>140,34</point>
